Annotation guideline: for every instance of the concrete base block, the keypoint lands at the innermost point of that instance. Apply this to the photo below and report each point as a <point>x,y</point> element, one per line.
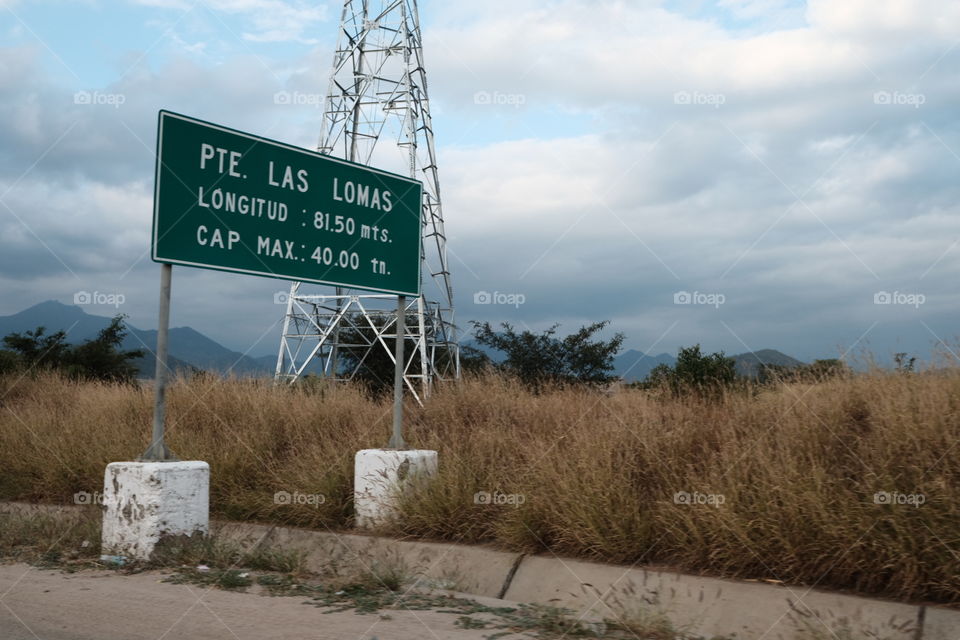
<point>145,501</point>
<point>381,475</point>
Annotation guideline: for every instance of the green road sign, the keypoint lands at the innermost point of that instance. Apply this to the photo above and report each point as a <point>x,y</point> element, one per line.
<point>233,201</point>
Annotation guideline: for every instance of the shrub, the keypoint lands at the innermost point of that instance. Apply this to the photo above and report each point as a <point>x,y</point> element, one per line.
<point>542,358</point>
<point>694,372</point>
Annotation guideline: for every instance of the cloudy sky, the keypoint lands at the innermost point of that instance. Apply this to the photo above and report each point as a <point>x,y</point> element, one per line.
<point>779,166</point>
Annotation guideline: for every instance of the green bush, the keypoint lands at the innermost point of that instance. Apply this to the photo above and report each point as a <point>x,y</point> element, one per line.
<point>694,372</point>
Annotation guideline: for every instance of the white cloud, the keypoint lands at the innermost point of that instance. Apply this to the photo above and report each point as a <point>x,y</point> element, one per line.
<point>596,54</point>
<point>266,20</point>
<point>873,18</point>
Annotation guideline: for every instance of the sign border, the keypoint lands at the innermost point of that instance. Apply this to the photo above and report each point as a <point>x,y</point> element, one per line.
<point>162,113</point>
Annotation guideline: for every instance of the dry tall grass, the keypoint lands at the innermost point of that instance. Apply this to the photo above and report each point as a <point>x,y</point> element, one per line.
<point>797,468</point>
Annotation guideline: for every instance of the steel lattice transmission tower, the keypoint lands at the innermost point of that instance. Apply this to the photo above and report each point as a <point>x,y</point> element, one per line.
<point>377,112</point>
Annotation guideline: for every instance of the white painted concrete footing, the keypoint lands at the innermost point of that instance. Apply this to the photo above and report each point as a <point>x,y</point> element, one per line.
<point>145,501</point>
<point>380,476</point>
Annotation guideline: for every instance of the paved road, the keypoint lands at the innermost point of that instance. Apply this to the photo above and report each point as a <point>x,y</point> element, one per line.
<point>102,605</point>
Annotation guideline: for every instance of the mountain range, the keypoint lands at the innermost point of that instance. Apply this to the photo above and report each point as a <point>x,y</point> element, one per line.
<point>190,348</point>
<point>187,347</point>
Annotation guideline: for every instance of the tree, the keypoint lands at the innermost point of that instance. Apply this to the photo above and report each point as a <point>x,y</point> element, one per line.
<point>36,350</point>
<point>694,372</point>
<point>102,358</point>
<point>373,367</point>
<point>9,361</point>
<point>96,359</point>
<point>540,358</point>
<point>473,360</point>
<point>903,363</point>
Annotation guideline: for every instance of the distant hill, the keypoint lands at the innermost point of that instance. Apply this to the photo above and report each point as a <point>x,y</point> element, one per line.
<point>200,351</point>
<point>633,365</point>
<point>187,347</point>
<point>55,316</point>
<point>748,364</point>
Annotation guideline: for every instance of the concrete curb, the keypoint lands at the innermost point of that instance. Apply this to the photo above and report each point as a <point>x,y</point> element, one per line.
<point>467,569</point>
<point>698,605</point>
<point>711,606</point>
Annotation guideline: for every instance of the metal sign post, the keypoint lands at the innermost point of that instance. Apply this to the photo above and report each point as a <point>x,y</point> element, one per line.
<point>396,440</point>
<point>158,451</point>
